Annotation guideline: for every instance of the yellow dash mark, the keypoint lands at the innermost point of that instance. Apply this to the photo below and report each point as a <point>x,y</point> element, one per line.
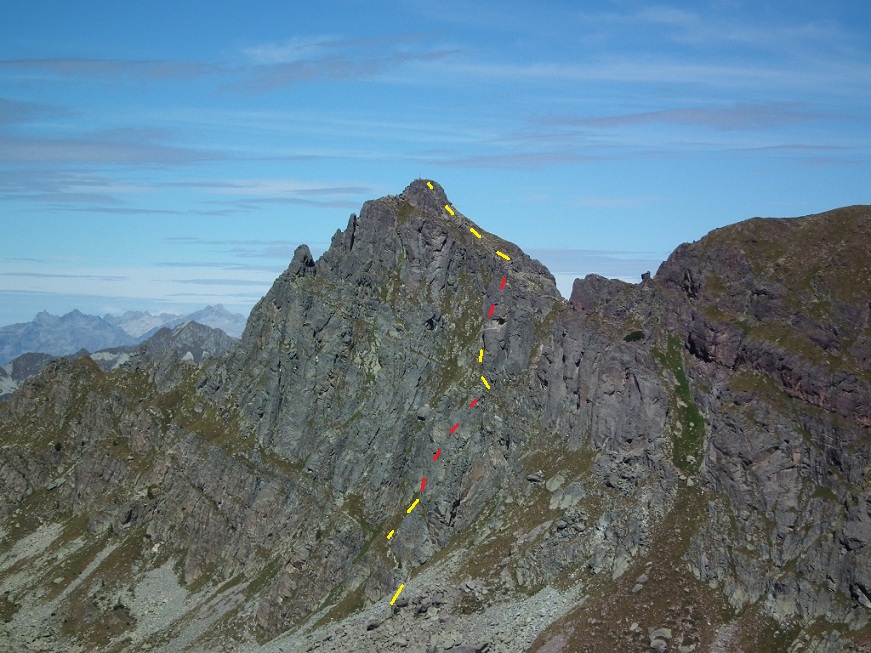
<point>411,507</point>
<point>481,356</point>
<point>396,596</point>
<point>429,183</point>
<point>475,232</point>
<point>449,209</point>
<point>487,385</point>
<point>390,534</point>
<point>503,255</point>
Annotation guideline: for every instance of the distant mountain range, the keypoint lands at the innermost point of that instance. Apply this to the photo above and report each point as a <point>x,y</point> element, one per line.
<point>67,334</point>
<point>142,324</point>
<point>192,342</point>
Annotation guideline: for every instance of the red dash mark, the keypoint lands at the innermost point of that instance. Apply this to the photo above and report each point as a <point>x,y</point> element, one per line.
<point>436,457</point>
<point>454,427</point>
<point>492,308</point>
<point>423,484</point>
<point>474,401</point>
<point>502,285</point>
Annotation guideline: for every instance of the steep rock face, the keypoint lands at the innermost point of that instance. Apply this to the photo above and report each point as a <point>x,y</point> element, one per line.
<point>776,312</point>
<point>393,339</point>
<point>356,366</point>
<point>767,295</point>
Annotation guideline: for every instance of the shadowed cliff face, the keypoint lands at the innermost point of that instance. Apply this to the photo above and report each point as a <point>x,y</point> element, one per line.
<point>705,433</point>
<point>776,314</point>
<point>787,298</point>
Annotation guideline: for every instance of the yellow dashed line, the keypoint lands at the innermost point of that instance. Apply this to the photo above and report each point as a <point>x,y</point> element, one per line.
<point>483,380</point>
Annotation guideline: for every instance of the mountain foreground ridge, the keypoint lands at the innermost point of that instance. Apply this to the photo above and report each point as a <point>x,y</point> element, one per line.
<point>677,465</point>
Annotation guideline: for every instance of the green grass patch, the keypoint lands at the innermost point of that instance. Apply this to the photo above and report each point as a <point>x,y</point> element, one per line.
<point>263,579</point>
<point>759,632</point>
<point>714,284</point>
<point>405,211</point>
<point>8,608</point>
<point>352,602</point>
<point>822,492</point>
<point>689,432</point>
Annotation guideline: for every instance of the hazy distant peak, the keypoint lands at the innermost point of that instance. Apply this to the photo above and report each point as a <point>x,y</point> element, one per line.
<point>142,324</point>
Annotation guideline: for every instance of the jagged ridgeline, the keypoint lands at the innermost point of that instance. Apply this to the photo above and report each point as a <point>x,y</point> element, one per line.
<point>676,465</point>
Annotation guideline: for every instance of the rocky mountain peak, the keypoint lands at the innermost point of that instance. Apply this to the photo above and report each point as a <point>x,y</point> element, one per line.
<point>384,327</point>
<point>302,262</point>
<point>420,195</point>
<point>414,230</point>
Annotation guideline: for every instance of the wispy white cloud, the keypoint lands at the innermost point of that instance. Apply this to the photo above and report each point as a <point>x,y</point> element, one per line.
<point>265,186</point>
<point>298,48</point>
<point>257,249</point>
<point>135,210</point>
<point>334,67</point>
<point>135,283</point>
<point>112,69</point>
<point>664,15</point>
<point>45,275</point>
<point>221,282</point>
<point>660,71</point>
<point>340,122</point>
<point>518,160</point>
<point>711,27</point>
<point>84,191</point>
<point>100,148</point>
<point>738,116</point>
<point>274,270</point>
<point>292,49</point>
<point>304,59</point>
<point>13,112</point>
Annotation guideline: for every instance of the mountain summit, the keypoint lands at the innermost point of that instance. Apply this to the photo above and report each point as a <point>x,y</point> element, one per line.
<point>678,465</point>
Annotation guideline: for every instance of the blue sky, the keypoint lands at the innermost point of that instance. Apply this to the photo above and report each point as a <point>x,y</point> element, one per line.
<point>163,157</point>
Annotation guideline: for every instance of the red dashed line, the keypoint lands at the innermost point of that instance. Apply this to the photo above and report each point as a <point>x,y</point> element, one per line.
<point>471,405</point>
